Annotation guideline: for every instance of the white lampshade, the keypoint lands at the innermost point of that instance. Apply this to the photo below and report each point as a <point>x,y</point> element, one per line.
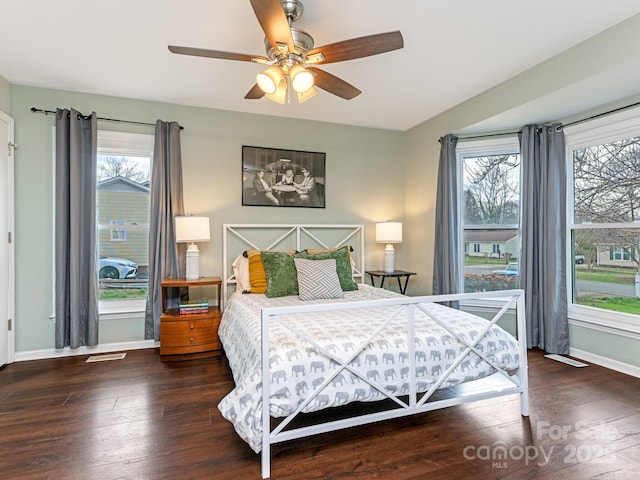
<point>192,229</point>
<point>389,232</point>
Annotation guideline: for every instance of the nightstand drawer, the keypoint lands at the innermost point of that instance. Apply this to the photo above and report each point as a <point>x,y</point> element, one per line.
<point>183,335</point>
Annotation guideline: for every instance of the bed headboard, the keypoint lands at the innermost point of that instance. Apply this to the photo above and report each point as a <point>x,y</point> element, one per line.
<point>236,238</point>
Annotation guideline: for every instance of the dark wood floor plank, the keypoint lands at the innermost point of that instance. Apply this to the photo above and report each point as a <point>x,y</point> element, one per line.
<point>141,418</point>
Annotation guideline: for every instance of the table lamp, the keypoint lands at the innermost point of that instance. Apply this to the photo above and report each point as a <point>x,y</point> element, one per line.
<point>389,233</point>
<point>191,230</point>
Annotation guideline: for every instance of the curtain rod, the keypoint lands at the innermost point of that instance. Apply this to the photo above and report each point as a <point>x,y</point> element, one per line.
<point>576,122</point>
<point>133,122</point>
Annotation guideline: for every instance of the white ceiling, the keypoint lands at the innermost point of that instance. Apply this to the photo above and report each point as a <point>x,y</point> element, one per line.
<point>454,49</point>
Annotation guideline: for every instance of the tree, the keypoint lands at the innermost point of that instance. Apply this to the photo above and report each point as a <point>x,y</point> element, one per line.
<point>607,190</point>
<point>491,189</point>
<point>116,166</point>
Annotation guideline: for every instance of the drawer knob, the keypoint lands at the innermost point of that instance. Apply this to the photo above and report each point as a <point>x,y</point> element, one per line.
<point>191,326</point>
<point>191,339</point>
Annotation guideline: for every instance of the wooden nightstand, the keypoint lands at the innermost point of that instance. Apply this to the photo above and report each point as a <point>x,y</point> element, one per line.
<point>191,336</point>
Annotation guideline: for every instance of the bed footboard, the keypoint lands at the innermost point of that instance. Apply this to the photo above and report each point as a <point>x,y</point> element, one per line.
<point>417,397</point>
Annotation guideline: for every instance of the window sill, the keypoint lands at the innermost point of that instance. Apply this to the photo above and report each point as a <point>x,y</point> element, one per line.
<point>117,309</point>
<point>615,323</point>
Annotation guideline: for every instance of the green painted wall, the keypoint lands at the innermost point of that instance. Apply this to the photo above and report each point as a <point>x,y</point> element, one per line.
<point>364,170</point>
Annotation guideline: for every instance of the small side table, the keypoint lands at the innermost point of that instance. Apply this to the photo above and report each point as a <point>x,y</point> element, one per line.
<point>189,336</point>
<point>396,273</point>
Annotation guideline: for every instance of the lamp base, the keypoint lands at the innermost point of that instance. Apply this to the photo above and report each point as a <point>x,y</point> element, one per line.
<point>389,258</point>
<point>193,262</point>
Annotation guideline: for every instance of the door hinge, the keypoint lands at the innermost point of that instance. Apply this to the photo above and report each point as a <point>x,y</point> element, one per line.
<point>12,147</point>
<point>9,325</point>
<point>9,237</point>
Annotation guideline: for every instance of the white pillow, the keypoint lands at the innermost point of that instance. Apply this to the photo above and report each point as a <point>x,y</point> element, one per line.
<point>317,279</point>
<point>241,272</point>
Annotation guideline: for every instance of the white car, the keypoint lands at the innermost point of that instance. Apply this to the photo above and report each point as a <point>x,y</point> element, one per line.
<point>116,268</point>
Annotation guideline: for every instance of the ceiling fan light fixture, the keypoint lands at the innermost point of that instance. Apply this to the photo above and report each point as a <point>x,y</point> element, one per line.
<point>280,95</point>
<point>301,79</point>
<point>304,96</point>
<point>270,79</point>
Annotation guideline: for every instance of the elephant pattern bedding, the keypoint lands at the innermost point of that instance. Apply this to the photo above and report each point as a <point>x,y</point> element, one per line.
<point>298,369</point>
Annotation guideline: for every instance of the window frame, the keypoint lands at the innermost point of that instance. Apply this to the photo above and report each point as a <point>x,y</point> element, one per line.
<point>500,145</point>
<point>598,131</point>
<point>128,144</point>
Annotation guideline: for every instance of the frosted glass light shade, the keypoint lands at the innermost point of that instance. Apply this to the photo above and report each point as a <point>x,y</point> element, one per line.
<point>301,79</point>
<point>280,96</point>
<point>269,80</point>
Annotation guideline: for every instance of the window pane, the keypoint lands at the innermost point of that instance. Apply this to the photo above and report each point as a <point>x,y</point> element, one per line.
<point>492,190</point>
<point>491,212</point>
<point>607,182</point>
<point>123,200</point>
<point>605,268</point>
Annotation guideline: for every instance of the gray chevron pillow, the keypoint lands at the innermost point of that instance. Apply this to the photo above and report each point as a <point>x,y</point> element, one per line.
<point>317,279</point>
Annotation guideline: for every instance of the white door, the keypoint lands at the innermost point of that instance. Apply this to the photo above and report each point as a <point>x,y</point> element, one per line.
<point>6,240</point>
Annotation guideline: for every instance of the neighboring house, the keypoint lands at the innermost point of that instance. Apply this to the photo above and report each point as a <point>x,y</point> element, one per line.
<point>613,256</point>
<point>492,243</point>
<point>123,219</point>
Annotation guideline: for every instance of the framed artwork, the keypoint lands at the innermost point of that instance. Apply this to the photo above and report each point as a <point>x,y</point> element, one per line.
<point>275,177</point>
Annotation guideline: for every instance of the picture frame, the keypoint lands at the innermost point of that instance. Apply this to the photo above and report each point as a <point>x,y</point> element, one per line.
<point>275,177</point>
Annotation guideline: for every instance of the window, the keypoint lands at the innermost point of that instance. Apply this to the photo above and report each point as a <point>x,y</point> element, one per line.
<point>122,198</point>
<point>118,235</point>
<point>618,253</point>
<point>490,200</point>
<point>604,217</point>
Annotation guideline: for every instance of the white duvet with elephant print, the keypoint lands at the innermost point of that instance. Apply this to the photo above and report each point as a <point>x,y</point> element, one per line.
<point>298,369</point>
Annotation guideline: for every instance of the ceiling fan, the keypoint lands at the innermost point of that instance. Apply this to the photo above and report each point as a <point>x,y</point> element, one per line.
<point>290,54</point>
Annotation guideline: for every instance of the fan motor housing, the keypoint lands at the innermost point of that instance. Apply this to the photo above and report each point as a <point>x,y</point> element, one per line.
<point>302,43</point>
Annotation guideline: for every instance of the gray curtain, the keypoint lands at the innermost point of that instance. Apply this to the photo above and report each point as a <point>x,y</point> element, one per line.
<point>446,264</point>
<point>165,258</point>
<point>76,281</point>
<point>543,254</point>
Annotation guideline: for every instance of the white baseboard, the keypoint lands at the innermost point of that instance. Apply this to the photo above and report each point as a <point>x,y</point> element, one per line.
<point>605,362</point>
<point>68,352</point>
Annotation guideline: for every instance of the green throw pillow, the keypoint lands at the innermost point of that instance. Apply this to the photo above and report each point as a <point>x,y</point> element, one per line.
<point>343,265</point>
<point>282,278</point>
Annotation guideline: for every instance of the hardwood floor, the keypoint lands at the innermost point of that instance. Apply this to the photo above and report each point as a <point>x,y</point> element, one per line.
<point>140,418</point>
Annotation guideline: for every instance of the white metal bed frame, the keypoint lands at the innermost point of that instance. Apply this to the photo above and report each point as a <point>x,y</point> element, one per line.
<point>406,404</point>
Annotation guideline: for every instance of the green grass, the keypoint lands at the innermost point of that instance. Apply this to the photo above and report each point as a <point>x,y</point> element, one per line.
<point>607,274</point>
<point>122,293</point>
<point>489,261</point>
<point>617,304</point>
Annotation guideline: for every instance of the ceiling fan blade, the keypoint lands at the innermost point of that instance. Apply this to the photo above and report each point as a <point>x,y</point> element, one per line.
<point>333,84</point>
<point>202,52</point>
<point>255,93</point>
<point>274,22</point>
<point>359,47</point>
